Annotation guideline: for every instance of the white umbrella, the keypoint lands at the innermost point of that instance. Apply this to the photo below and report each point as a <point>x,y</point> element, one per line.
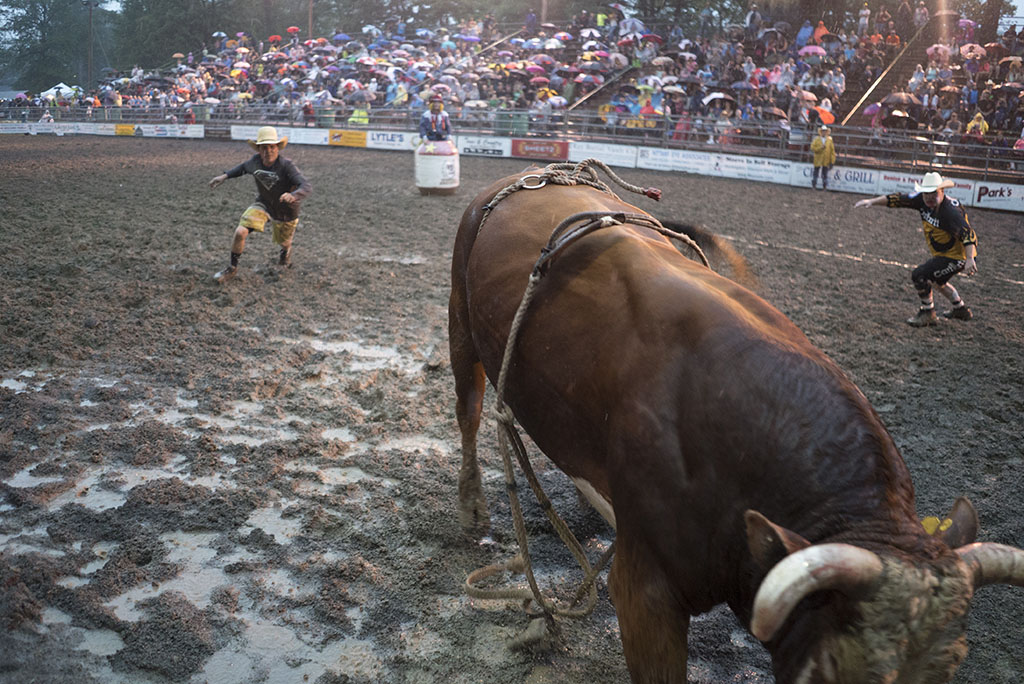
<point>631,26</point>
<point>715,96</point>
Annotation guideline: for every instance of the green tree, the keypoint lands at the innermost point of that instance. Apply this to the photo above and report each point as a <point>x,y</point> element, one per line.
<point>48,42</point>
<point>148,32</point>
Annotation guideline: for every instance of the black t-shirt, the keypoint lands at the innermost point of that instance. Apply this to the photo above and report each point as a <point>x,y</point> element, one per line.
<point>273,182</point>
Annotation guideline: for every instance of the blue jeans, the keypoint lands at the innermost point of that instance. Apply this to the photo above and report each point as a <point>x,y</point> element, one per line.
<point>824,170</point>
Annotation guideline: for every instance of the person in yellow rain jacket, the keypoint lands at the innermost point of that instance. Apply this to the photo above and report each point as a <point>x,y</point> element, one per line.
<point>360,114</point>
<point>824,157</point>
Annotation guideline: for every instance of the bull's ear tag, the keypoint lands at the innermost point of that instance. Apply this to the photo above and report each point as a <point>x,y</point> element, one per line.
<point>932,524</point>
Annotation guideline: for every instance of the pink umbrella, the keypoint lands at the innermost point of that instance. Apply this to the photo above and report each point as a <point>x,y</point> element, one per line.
<point>972,50</point>
<point>540,80</point>
<point>535,69</point>
<point>938,49</point>
<point>601,53</point>
<point>872,108</point>
<point>813,50</point>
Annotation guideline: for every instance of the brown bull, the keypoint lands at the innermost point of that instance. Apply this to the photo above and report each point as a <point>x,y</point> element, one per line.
<point>736,462</point>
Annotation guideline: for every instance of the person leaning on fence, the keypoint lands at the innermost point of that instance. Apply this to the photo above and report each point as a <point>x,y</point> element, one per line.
<point>951,243</point>
<point>281,188</point>
<point>824,150</point>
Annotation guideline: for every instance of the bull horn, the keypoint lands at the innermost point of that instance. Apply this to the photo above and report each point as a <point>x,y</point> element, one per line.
<point>823,566</point>
<point>994,563</point>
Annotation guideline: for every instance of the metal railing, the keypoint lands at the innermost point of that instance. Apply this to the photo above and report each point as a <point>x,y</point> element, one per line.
<point>855,146</point>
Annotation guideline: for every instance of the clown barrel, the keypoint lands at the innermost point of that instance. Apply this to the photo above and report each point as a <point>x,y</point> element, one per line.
<point>437,167</point>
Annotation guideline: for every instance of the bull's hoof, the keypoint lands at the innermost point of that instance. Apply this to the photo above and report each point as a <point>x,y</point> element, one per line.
<point>536,637</point>
<point>473,517</point>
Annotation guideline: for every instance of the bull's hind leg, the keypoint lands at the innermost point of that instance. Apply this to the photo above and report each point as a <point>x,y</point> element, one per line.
<point>653,626</point>
<point>469,399</point>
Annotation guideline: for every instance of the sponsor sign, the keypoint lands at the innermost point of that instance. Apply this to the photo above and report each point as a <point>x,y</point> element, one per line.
<point>1005,196</point>
<point>346,138</point>
<point>860,181</point>
<point>897,181</point>
<point>160,130</point>
<point>612,155</point>
<point>751,168</point>
<point>686,161</point>
<point>307,136</point>
<point>14,128</point>
<point>389,140</point>
<point>553,150</point>
<point>248,132</point>
<point>484,146</point>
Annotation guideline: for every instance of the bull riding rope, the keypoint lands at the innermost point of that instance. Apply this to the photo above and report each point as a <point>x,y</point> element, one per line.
<point>555,174</point>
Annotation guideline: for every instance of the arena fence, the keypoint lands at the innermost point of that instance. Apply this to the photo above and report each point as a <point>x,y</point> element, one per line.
<point>869,160</point>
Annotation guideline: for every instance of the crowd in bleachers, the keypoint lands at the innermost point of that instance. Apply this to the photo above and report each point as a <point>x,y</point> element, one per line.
<point>720,77</point>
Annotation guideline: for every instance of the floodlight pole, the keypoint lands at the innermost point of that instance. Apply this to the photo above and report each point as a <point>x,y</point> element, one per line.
<point>90,4</point>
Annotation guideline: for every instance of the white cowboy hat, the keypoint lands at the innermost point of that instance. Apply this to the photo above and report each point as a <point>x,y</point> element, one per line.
<point>931,182</point>
<point>267,135</point>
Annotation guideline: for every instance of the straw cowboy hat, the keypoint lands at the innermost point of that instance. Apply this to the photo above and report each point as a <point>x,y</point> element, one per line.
<point>931,182</point>
<point>267,135</point>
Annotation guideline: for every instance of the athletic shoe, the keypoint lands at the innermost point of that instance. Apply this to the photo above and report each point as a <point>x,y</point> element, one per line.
<point>924,318</point>
<point>960,313</point>
<point>226,275</point>
<point>285,258</point>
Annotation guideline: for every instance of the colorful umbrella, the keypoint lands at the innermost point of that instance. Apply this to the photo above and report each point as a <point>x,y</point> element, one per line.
<point>219,34</point>
<point>826,116</point>
<point>274,38</point>
<point>972,51</point>
<point>293,29</point>
<point>563,36</point>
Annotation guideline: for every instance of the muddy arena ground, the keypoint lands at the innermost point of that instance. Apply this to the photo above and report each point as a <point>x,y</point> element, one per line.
<point>257,482</point>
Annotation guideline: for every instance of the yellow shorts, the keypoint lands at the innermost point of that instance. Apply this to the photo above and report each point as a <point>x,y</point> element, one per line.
<point>256,217</point>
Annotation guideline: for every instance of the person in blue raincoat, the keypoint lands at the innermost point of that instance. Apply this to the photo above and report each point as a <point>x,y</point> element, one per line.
<point>803,36</point>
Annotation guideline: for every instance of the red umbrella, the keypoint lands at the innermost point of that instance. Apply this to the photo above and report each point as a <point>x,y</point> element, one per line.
<point>654,37</point>
<point>293,29</point>
<point>540,80</point>
<point>274,38</point>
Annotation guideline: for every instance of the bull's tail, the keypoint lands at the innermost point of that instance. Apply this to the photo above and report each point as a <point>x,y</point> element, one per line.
<point>719,251</point>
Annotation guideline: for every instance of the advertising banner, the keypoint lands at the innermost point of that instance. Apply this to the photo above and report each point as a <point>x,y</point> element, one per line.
<point>841,178</point>
<point>311,136</point>
<point>390,140</point>
<point>484,146</point>
<point>612,155</point>
<point>549,150</point>
<point>685,161</point>
<point>160,130</point>
<point>346,138</point>
<point>1004,196</point>
<point>899,181</point>
<point>751,168</point>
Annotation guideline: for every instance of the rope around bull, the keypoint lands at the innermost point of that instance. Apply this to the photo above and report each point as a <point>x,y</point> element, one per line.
<point>556,174</point>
